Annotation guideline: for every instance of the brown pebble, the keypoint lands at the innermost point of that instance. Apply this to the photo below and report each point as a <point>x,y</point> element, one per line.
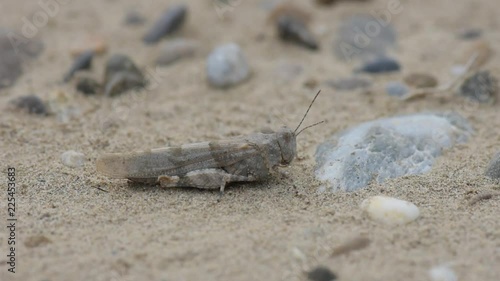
<point>36,241</point>
<point>421,80</point>
<point>355,244</point>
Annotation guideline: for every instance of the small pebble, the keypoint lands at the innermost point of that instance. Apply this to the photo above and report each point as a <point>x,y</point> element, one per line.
<point>311,83</point>
<point>390,210</point>
<point>134,18</point>
<point>121,74</point>
<point>321,273</point>
<point>293,29</point>
<point>176,49</point>
<point>493,170</point>
<point>88,86</point>
<point>31,103</point>
<point>442,273</point>
<point>227,66</point>
<point>350,83</point>
<point>397,89</point>
<point>122,82</point>
<point>421,80</point>
<point>82,62</point>
<point>73,159</point>
<point>470,34</point>
<point>169,22</point>
<point>480,87</point>
<point>380,65</point>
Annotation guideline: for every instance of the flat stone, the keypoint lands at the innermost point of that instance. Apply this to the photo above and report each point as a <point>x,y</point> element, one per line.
<point>227,66</point>
<point>387,148</point>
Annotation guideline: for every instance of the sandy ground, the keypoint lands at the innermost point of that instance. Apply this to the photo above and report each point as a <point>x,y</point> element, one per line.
<point>68,228</point>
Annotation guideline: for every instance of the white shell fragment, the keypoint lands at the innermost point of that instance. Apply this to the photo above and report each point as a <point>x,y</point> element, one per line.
<point>390,210</point>
<point>73,159</point>
<point>442,273</point>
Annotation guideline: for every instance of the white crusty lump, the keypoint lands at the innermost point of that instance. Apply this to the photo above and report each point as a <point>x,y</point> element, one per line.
<point>73,159</point>
<point>390,210</point>
<point>442,273</point>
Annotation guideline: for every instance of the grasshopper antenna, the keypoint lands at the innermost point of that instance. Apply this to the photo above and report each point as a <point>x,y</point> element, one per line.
<point>309,127</point>
<point>306,115</point>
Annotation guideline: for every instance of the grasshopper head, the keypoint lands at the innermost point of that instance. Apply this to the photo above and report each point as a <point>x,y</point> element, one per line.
<point>287,144</point>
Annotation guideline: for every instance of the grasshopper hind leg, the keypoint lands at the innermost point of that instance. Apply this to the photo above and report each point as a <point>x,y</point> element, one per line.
<point>204,179</point>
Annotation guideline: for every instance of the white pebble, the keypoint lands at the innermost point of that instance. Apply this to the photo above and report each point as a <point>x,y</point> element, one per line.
<point>442,273</point>
<point>73,159</point>
<point>390,210</point>
<point>227,66</point>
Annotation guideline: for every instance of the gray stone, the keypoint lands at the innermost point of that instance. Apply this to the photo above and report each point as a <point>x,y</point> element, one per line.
<point>121,75</point>
<point>14,49</point>
<point>493,170</point>
<point>397,89</point>
<point>387,148</point>
<point>227,66</point>
<point>293,29</point>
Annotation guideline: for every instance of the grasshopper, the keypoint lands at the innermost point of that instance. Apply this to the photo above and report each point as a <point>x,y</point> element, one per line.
<point>208,165</point>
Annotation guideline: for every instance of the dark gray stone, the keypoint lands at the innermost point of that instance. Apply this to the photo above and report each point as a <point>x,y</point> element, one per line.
<point>167,24</point>
<point>31,104</point>
<point>480,87</point>
<point>82,62</point>
<point>293,29</point>
<point>380,65</point>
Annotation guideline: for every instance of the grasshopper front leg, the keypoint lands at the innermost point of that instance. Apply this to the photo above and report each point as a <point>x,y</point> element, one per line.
<point>205,179</point>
